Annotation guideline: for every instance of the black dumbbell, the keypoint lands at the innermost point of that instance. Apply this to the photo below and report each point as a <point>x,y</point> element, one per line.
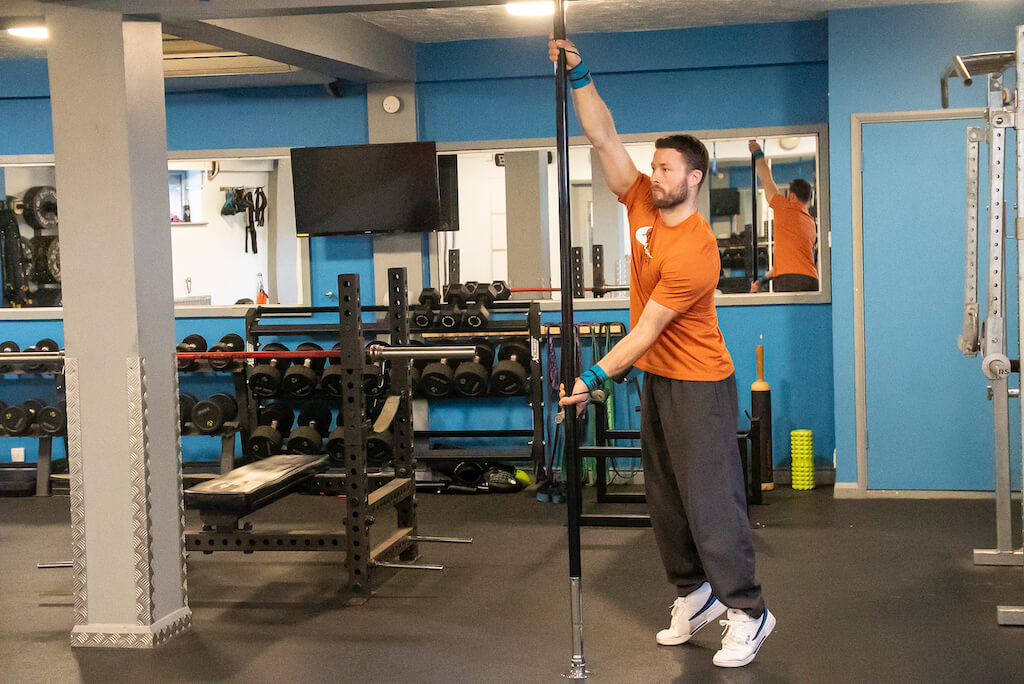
<point>300,379</point>
<point>437,378</point>
<point>265,377</point>
<point>229,343</point>
<point>17,420</point>
<point>379,448</point>
<point>513,368</point>
<point>8,347</point>
<point>186,402</point>
<point>333,376</point>
<point>426,313</point>
<point>375,374</point>
<point>43,345</point>
<point>502,290</point>
<point>470,377</point>
<point>210,414</point>
<point>191,344</point>
<point>336,442</point>
<point>275,423</point>
<point>477,314</point>
<point>314,423</point>
<point>452,312</point>
<point>53,419</point>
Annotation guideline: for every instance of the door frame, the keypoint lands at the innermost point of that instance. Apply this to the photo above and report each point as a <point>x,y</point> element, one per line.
<point>857,123</point>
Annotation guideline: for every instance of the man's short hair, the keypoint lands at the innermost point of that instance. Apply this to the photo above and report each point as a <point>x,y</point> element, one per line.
<point>800,189</point>
<point>692,149</point>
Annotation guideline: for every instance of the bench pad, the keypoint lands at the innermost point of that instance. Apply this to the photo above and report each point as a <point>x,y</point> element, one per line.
<point>252,486</point>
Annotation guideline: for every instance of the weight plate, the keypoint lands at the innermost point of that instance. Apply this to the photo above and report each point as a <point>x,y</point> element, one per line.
<point>41,207</point>
<point>53,259</point>
<point>28,271</point>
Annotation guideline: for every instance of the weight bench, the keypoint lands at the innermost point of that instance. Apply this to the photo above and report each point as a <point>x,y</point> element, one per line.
<point>222,501</point>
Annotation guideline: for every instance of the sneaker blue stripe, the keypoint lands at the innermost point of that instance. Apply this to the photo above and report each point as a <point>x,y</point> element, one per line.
<point>707,605</point>
<point>764,618</point>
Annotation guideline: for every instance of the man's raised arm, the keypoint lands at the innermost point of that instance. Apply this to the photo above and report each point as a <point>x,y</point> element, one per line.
<point>763,172</point>
<point>598,126</point>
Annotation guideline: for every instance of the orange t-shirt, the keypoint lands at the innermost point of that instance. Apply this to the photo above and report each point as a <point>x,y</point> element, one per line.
<point>795,234</point>
<point>678,267</point>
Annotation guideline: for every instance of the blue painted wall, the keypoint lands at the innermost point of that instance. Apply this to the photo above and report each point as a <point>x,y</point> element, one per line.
<point>884,60</point>
<point>694,79</point>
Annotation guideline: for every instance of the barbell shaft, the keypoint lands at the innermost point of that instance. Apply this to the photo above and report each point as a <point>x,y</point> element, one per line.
<point>32,356</point>
<point>448,540</point>
<point>373,353</point>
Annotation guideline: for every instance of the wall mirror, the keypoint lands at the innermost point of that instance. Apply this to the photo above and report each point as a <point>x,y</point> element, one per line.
<point>508,213</point>
<point>231,217</point>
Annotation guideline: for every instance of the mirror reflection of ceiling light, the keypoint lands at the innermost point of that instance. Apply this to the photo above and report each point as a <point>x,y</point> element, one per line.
<point>530,9</point>
<point>789,142</point>
<point>37,32</point>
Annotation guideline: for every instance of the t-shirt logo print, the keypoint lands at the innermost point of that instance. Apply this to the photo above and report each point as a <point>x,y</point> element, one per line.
<point>642,233</point>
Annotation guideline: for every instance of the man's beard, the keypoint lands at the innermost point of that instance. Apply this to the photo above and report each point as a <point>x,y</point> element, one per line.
<point>673,199</point>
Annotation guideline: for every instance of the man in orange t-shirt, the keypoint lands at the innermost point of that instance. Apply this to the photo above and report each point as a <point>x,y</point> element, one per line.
<point>692,471</point>
<point>793,268</point>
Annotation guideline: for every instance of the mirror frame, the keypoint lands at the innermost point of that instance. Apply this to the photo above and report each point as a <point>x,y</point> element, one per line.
<point>823,296</point>
<point>180,311</point>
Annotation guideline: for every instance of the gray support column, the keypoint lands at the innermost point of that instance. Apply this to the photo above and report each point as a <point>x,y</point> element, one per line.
<point>399,250</point>
<point>526,221</point>
<point>111,155</point>
<point>287,258</point>
<point>607,222</point>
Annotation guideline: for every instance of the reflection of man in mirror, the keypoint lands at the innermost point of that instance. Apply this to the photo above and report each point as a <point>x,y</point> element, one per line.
<point>692,470</point>
<point>795,234</point>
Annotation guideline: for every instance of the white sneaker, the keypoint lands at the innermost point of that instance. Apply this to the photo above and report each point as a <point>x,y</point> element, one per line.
<point>742,637</point>
<point>690,613</point>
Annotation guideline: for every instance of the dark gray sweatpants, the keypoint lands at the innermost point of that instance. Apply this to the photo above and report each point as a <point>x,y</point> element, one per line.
<point>694,483</point>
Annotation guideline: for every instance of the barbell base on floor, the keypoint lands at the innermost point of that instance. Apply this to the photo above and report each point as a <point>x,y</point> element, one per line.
<point>407,566</point>
<point>448,540</point>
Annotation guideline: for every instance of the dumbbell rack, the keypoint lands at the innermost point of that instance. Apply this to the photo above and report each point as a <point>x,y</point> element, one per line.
<point>365,494</point>
<point>241,425</point>
<point>498,330</point>
<point>45,465</point>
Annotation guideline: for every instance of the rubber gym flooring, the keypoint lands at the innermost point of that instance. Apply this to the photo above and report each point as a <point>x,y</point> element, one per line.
<point>864,591</point>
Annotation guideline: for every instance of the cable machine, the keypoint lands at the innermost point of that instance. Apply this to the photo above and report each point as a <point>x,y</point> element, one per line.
<point>1004,110</point>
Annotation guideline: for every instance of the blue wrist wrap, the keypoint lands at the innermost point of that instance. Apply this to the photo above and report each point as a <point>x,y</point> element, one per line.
<point>594,377</point>
<point>758,155</point>
<point>579,76</point>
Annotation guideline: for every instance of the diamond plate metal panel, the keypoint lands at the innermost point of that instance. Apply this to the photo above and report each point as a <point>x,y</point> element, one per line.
<point>77,492</point>
<point>181,500</point>
<point>139,478</point>
<point>140,639</point>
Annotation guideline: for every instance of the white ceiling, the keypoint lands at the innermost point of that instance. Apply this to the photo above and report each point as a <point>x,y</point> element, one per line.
<point>606,16</point>
<point>431,25</point>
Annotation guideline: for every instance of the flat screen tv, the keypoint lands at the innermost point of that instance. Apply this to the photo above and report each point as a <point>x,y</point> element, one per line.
<point>725,202</point>
<point>352,189</point>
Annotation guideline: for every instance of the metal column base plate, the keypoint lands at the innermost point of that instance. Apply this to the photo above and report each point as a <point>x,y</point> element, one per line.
<point>996,557</point>
<point>1010,615</point>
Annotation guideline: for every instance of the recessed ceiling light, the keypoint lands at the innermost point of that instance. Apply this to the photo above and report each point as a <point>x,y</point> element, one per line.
<point>38,32</point>
<point>530,9</point>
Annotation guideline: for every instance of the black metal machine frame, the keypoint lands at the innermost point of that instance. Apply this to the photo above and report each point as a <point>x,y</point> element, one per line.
<point>365,494</point>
